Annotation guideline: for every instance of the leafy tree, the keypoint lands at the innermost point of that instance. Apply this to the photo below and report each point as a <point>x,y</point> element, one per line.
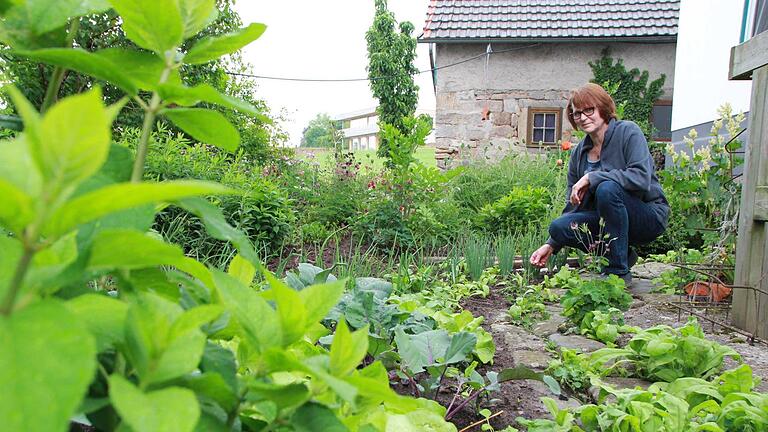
<point>321,132</point>
<point>632,89</point>
<point>391,70</point>
<point>99,31</point>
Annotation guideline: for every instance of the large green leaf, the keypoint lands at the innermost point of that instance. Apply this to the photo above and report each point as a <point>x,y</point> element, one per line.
<point>290,309</point>
<point>17,209</point>
<point>461,346</point>
<point>181,356</point>
<point>74,139</point>
<point>47,361</point>
<point>103,315</point>
<point>145,69</point>
<point>212,48</point>
<point>122,196</point>
<point>155,25</point>
<point>109,247</point>
<point>47,15</point>
<point>259,322</point>
<point>218,227</point>
<point>68,145</point>
<point>217,359</point>
<point>319,299</point>
<point>196,15</point>
<point>17,31</point>
<point>169,410</point>
<point>282,395</point>
<point>313,417</point>
<point>423,349</point>
<point>85,62</point>
<point>207,126</point>
<point>18,168</point>
<point>347,349</point>
<point>189,96</point>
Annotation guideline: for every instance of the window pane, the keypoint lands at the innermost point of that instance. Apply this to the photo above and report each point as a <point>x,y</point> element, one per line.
<point>538,120</point>
<point>538,135</point>
<point>549,135</point>
<point>550,120</point>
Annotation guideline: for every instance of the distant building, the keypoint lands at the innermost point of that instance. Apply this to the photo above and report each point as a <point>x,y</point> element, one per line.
<point>361,128</point>
<point>505,68</point>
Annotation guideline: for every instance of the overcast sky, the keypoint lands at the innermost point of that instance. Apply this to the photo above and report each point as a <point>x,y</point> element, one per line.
<point>322,39</point>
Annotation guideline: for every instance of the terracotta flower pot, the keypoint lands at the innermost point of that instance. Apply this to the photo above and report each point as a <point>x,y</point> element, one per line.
<point>717,292</point>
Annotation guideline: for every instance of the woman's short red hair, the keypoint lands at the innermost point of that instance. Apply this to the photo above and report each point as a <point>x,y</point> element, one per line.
<point>591,95</point>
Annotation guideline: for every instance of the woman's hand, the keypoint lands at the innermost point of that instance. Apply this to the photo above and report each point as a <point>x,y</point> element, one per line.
<point>541,255</point>
<point>579,190</point>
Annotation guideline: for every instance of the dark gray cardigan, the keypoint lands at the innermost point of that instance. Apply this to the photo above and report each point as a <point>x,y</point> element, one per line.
<point>624,159</point>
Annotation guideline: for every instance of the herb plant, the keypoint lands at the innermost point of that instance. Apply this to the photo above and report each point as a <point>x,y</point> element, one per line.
<point>666,354</point>
<point>594,295</point>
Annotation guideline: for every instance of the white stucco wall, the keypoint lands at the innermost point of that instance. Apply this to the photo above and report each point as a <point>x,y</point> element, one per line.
<point>560,66</point>
<point>707,31</point>
<point>483,112</point>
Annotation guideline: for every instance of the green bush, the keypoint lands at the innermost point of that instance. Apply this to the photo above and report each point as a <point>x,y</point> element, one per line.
<point>264,213</point>
<point>519,207</point>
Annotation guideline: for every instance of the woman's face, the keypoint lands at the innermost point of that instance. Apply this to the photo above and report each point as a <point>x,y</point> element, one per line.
<point>587,118</point>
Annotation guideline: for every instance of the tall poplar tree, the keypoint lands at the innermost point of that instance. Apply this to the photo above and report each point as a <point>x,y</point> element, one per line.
<point>391,51</point>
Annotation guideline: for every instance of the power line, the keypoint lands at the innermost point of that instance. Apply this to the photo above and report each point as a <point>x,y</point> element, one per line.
<point>431,70</point>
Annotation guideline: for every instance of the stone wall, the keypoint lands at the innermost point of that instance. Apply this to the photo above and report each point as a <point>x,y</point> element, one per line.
<point>482,112</point>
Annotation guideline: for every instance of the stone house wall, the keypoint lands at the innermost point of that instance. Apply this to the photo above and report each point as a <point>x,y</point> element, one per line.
<point>482,113</point>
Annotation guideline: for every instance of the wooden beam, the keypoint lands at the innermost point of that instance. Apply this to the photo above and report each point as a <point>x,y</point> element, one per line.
<point>750,308</point>
<point>761,204</point>
<point>748,56</point>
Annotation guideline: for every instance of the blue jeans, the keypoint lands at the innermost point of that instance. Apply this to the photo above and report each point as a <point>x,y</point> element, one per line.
<point>628,221</point>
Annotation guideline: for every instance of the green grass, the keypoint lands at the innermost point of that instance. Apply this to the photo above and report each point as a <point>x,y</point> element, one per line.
<point>425,155</point>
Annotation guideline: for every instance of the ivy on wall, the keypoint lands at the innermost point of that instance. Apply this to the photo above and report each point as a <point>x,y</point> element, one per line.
<point>630,89</point>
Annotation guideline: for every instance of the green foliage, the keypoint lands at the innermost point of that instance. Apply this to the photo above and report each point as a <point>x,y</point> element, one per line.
<point>594,295</point>
<point>699,183</point>
<point>521,206</point>
<point>605,326</point>
<point>477,255</point>
<point>106,321</point>
<point>666,354</point>
<point>391,70</point>
<point>504,246</point>
<point>725,404</point>
<point>321,132</point>
<point>631,88</point>
<point>527,309</point>
<point>564,421</point>
<point>572,370</point>
<point>264,213</point>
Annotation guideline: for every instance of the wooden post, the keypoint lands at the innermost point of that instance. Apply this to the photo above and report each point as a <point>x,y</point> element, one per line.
<point>750,308</point>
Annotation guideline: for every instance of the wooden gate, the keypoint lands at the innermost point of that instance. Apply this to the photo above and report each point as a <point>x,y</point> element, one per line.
<point>750,298</point>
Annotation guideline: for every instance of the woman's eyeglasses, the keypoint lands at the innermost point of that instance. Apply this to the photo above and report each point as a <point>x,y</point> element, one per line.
<point>576,115</point>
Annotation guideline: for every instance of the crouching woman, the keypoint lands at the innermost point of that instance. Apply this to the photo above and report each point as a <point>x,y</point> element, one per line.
<point>611,176</point>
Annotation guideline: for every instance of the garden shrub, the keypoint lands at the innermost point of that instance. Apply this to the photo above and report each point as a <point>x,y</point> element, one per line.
<point>337,201</point>
<point>521,206</point>
<point>263,213</point>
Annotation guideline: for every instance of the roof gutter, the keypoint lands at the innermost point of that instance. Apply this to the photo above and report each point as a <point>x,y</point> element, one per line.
<point>638,39</point>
